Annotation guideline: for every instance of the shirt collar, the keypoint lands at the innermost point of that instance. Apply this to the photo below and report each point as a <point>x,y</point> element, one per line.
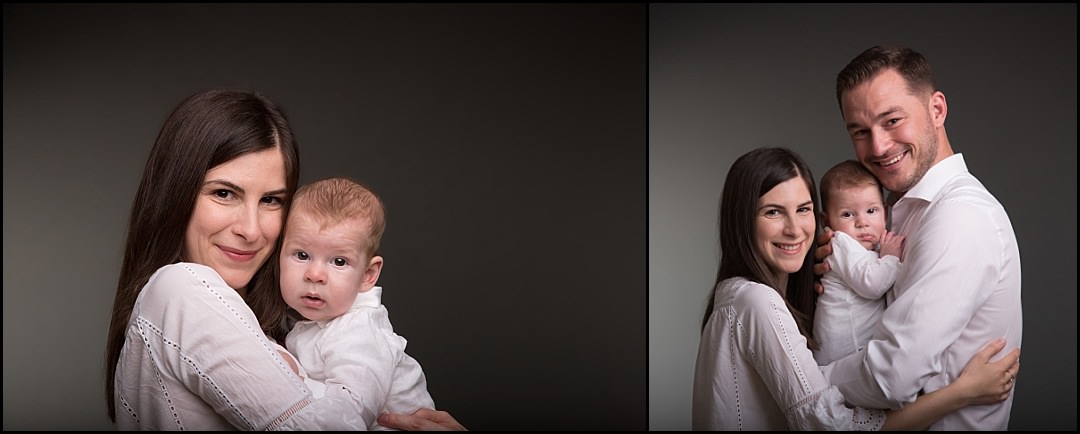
<point>369,298</point>
<point>936,178</point>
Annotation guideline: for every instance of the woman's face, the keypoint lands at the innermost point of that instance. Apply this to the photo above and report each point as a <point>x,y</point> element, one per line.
<point>238,216</point>
<point>785,227</point>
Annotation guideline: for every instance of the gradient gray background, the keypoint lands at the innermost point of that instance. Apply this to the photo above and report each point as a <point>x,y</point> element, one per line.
<point>724,79</point>
<point>508,142</point>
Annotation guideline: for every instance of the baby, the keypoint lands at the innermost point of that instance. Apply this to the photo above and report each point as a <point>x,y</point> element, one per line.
<point>329,267</point>
<point>851,305</point>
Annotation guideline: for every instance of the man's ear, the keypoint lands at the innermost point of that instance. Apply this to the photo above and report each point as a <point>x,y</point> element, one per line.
<point>939,109</point>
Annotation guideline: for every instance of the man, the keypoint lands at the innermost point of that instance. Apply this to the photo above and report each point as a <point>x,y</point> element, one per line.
<point>960,286</point>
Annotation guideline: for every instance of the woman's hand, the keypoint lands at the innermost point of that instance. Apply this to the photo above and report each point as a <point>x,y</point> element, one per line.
<point>290,360</point>
<point>423,419</point>
<point>986,382</point>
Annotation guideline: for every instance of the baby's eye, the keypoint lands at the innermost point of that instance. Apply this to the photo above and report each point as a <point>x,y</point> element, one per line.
<point>845,214</point>
<point>872,211</point>
<point>340,262</point>
<point>303,256</point>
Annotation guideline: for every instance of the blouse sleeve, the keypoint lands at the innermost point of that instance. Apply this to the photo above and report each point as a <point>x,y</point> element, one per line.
<point>787,367</point>
<point>205,337</point>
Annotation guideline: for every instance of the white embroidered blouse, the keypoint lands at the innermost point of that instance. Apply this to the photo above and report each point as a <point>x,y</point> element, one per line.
<point>755,372</point>
<point>196,359</point>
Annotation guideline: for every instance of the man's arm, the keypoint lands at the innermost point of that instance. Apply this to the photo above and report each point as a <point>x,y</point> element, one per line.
<point>952,265</point>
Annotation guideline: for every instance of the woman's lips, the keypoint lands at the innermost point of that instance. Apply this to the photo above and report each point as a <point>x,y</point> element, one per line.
<point>238,255</point>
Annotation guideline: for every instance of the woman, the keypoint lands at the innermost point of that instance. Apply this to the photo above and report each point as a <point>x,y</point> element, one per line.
<point>189,344</point>
<point>755,369</point>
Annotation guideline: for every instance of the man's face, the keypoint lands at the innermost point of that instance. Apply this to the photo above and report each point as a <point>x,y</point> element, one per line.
<point>893,130</point>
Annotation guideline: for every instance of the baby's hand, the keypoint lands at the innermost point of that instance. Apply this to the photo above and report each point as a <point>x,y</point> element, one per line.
<point>892,244</point>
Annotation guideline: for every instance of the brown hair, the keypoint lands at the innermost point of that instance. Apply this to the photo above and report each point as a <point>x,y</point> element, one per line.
<point>337,199</point>
<point>750,177</point>
<point>907,62</point>
<point>206,130</point>
<point>845,175</point>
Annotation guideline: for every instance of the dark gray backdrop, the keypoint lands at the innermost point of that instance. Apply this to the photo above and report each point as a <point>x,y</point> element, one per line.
<point>508,142</point>
<point>726,78</point>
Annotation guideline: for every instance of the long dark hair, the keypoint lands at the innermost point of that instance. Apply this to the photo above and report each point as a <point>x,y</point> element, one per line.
<point>750,177</point>
<point>206,130</point>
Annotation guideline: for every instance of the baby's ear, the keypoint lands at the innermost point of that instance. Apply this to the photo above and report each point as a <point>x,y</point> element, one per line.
<point>371,274</point>
<point>824,219</point>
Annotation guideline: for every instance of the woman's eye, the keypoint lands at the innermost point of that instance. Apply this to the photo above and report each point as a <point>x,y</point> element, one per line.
<point>222,194</point>
<point>273,200</point>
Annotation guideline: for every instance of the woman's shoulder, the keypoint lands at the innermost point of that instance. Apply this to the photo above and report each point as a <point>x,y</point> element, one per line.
<point>743,287</point>
<point>184,273</point>
<point>745,294</point>
<point>176,281</point>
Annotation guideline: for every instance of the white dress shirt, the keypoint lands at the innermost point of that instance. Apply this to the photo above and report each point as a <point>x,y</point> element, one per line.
<point>196,359</point>
<point>853,301</point>
<point>360,350</point>
<point>755,372</point>
<point>959,290</point>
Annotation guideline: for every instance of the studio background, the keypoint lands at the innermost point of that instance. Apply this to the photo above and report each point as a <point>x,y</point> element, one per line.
<point>727,78</point>
<point>508,142</point>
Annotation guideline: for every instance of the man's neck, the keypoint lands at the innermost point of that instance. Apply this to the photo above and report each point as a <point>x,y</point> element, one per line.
<point>892,197</point>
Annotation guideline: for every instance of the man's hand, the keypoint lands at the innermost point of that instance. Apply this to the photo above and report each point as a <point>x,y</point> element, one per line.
<point>823,251</point>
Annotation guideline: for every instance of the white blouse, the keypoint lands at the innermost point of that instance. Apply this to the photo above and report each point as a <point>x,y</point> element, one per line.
<point>195,358</point>
<point>755,372</point>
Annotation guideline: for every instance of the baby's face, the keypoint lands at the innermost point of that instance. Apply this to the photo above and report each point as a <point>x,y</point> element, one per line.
<point>858,212</point>
<point>323,268</point>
